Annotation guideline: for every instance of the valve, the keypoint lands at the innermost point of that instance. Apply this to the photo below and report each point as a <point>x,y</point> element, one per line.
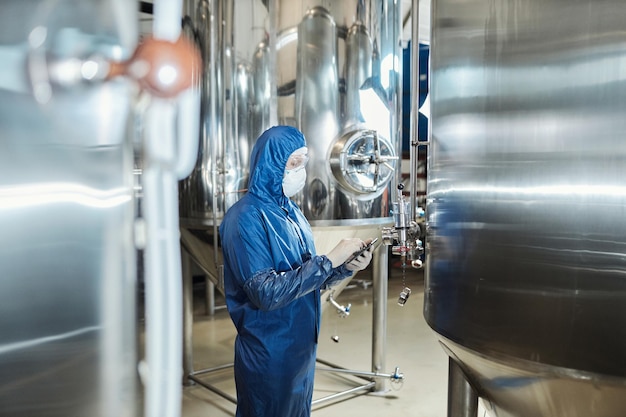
<point>160,67</point>
<point>404,236</point>
<point>343,311</point>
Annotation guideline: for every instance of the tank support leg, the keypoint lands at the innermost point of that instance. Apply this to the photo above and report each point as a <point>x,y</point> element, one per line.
<point>187,318</point>
<point>379,313</point>
<point>210,296</point>
<point>462,398</point>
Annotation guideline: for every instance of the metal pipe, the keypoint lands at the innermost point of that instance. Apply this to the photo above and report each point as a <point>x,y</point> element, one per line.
<point>364,374</point>
<point>379,313</point>
<point>333,367</point>
<point>216,86</point>
<point>462,398</point>
<point>187,317</point>
<point>216,368</point>
<point>365,387</point>
<point>415,96</point>
<point>359,374</point>
<point>342,310</point>
<point>210,295</point>
<point>215,390</point>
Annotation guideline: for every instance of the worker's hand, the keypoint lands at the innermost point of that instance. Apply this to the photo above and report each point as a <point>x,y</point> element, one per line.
<point>362,261</point>
<point>344,250</point>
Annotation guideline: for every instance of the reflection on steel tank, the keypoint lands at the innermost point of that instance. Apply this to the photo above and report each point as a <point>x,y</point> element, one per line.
<point>525,283</point>
<point>68,279</point>
<point>334,73</point>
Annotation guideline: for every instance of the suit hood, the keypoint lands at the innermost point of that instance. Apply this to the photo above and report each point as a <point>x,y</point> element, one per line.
<point>268,159</point>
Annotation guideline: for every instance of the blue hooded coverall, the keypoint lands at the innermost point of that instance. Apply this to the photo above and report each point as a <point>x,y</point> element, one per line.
<point>272,280</point>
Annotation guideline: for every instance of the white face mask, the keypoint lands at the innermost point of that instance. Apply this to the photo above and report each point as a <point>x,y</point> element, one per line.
<point>293,181</point>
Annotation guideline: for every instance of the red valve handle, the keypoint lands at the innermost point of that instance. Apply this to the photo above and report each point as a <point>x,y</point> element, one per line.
<point>161,67</point>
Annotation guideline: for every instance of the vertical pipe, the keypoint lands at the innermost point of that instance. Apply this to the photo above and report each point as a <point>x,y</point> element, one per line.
<point>163,283</point>
<point>189,9</point>
<point>216,100</point>
<point>379,314</point>
<point>462,398</point>
<point>415,96</point>
<point>187,318</point>
<point>167,16</point>
<point>230,167</point>
<point>210,296</point>
<point>273,7</point>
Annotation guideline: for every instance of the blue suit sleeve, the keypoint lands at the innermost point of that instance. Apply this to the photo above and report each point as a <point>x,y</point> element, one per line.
<point>269,290</point>
<point>271,275</point>
<point>338,274</point>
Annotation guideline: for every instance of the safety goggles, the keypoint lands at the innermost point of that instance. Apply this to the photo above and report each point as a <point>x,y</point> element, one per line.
<point>296,162</point>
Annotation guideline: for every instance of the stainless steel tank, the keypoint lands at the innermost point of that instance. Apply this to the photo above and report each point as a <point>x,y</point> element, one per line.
<point>331,69</point>
<point>525,281</point>
<point>68,342</point>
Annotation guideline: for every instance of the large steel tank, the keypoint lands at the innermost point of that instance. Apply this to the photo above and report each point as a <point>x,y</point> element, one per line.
<point>525,283</point>
<point>332,69</point>
<point>68,336</point>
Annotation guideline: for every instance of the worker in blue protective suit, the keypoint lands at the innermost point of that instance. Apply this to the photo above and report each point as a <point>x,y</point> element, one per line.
<point>272,279</point>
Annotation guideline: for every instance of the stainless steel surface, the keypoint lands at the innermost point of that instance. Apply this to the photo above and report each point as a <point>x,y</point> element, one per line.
<point>526,201</point>
<point>359,57</point>
<point>68,266</point>
<point>269,67</point>
<point>462,397</point>
<point>363,163</point>
<point>314,112</point>
<point>511,387</point>
<point>214,183</point>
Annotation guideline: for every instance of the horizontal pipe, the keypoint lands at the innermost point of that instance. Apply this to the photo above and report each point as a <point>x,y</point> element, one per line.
<point>360,373</point>
<point>215,390</point>
<point>217,368</point>
<point>192,377</point>
<point>335,367</point>
<point>366,387</point>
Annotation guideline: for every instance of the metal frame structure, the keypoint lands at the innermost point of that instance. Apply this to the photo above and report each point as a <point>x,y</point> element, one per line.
<point>376,380</point>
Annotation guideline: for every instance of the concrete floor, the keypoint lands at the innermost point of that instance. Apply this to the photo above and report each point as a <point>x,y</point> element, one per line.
<point>411,345</point>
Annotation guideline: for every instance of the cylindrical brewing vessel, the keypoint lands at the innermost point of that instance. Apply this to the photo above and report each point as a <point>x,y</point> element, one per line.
<point>68,264</point>
<point>525,283</point>
<point>332,69</point>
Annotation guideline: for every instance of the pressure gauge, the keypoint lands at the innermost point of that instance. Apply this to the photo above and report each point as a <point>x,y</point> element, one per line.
<point>363,162</point>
